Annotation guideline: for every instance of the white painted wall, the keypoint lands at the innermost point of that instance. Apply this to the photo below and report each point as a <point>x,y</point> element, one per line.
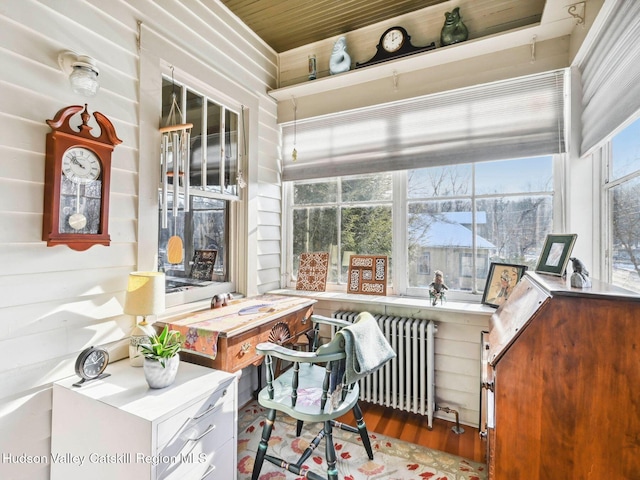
<point>54,302</point>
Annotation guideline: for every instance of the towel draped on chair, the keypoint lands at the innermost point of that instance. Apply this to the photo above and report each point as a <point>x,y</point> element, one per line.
<point>366,348</point>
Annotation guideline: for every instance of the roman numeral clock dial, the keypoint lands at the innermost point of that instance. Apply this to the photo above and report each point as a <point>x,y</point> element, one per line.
<point>77,180</point>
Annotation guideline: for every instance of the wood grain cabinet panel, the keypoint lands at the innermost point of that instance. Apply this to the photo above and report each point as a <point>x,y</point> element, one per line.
<point>566,369</point>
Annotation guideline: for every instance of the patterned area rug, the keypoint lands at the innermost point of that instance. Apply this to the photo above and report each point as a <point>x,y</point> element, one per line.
<point>393,459</point>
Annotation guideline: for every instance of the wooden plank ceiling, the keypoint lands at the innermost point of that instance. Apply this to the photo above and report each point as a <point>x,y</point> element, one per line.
<point>287,24</point>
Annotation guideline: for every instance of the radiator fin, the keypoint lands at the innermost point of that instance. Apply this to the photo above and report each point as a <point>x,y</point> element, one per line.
<point>406,382</point>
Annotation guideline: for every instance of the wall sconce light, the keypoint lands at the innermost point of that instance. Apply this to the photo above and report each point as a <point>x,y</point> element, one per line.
<point>82,71</point>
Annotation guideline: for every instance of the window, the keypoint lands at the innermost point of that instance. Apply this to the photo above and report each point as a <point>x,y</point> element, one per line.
<point>342,216</point>
<point>457,218</point>
<point>467,216</point>
<point>213,175</point>
<point>622,189</point>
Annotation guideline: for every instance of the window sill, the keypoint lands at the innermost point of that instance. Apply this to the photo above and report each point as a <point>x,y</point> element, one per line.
<point>453,307</point>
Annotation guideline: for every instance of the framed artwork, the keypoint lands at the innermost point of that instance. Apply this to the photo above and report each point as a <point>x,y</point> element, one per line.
<point>367,274</point>
<point>312,272</point>
<point>501,281</point>
<point>202,265</point>
<point>555,254</point>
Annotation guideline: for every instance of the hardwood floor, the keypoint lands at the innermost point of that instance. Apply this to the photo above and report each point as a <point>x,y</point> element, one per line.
<point>411,427</point>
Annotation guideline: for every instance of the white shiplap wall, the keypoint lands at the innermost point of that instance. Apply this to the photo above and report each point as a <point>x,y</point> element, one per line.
<point>54,301</point>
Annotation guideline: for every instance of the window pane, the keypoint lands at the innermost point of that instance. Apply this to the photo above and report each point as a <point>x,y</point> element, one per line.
<point>366,231</point>
<point>315,229</point>
<point>230,152</point>
<point>371,187</point>
<point>315,192</point>
<point>516,227</point>
<point>626,151</point>
<point>449,181</point>
<point>204,227</point>
<point>439,238</point>
<point>515,176</point>
<point>625,215</point>
<point>195,104</point>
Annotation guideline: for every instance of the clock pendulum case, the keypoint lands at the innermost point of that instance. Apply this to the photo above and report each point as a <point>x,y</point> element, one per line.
<point>77,180</point>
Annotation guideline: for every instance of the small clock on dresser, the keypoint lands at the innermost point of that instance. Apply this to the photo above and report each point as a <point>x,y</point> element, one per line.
<point>77,180</point>
<point>395,42</point>
<point>91,364</point>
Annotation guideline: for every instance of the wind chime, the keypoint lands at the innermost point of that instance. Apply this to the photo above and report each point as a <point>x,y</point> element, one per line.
<point>175,149</point>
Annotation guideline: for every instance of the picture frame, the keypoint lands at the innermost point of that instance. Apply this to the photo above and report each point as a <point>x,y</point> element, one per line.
<point>555,254</point>
<point>501,280</point>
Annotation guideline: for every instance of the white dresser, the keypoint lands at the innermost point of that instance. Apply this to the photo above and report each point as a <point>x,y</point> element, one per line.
<point>119,428</point>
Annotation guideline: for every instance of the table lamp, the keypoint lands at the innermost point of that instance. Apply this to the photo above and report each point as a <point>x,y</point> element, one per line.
<point>144,297</point>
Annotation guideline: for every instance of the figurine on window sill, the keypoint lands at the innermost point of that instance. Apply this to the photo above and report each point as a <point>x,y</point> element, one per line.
<point>437,289</point>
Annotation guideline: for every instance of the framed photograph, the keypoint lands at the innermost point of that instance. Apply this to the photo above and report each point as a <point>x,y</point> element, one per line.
<point>555,254</point>
<point>501,281</point>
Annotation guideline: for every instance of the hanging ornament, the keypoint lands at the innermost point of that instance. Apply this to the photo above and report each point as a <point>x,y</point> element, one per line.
<point>175,149</point>
<point>294,153</point>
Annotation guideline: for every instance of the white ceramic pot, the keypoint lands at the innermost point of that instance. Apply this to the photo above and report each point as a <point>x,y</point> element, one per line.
<point>158,376</point>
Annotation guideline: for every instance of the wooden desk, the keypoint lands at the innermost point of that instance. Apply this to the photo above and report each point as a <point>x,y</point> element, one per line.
<point>225,338</point>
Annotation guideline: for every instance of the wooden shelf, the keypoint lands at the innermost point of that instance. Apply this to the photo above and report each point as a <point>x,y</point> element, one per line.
<point>439,56</point>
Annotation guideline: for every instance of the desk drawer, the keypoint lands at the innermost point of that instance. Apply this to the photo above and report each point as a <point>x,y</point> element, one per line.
<point>239,351</point>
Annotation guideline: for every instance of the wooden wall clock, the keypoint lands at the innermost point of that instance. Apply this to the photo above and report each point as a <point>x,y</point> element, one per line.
<point>77,180</point>
<point>395,42</point>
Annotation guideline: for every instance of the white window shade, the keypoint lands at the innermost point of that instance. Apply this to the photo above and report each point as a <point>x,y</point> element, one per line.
<point>522,117</point>
<point>611,75</point>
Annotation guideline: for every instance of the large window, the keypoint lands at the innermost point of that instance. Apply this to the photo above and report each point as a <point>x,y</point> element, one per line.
<point>203,226</point>
<point>456,218</point>
<point>622,187</point>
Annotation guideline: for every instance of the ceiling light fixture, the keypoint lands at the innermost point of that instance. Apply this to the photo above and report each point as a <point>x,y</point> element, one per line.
<point>83,72</point>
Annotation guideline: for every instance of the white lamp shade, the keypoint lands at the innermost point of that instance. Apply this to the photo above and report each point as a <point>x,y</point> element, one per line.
<point>145,294</point>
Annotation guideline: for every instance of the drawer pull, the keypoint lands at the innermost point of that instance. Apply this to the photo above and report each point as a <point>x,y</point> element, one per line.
<point>207,431</point>
<point>245,348</point>
<point>208,472</point>
<point>209,408</point>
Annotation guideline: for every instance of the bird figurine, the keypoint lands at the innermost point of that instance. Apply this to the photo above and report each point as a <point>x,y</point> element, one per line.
<point>580,276</point>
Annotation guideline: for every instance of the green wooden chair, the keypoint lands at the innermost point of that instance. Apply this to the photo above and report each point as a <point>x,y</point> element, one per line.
<point>313,391</point>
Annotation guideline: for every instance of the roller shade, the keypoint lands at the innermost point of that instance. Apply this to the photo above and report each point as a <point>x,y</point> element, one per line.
<point>521,117</point>
<point>611,75</point>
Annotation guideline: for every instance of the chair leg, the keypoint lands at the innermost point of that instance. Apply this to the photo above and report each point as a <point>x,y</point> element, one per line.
<point>264,443</point>
<point>332,471</point>
<point>299,425</point>
<point>362,429</point>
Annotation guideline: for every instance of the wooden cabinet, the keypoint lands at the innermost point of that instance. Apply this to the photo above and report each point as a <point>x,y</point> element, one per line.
<point>564,382</point>
<point>119,428</point>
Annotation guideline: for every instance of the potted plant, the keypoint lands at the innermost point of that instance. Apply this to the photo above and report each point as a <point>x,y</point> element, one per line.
<point>161,358</point>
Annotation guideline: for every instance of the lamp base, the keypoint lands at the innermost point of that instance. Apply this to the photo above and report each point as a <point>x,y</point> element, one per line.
<point>139,335</point>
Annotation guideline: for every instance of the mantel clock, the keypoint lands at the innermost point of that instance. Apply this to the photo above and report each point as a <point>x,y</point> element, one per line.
<point>394,43</point>
<point>77,180</point>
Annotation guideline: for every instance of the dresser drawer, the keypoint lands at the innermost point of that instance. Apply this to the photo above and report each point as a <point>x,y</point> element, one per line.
<point>202,446</point>
<point>192,413</point>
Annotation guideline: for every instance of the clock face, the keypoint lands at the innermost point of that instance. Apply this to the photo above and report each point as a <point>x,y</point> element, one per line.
<point>393,40</point>
<point>81,165</point>
<point>81,191</point>
<point>91,363</point>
